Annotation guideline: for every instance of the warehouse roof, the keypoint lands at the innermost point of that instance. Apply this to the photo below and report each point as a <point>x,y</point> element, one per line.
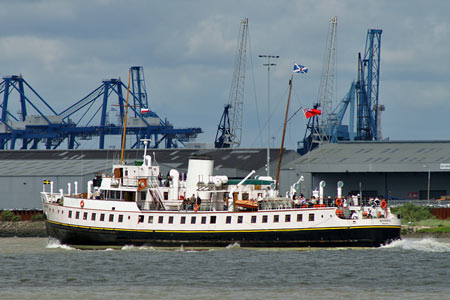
<point>386,156</point>
<point>236,162</point>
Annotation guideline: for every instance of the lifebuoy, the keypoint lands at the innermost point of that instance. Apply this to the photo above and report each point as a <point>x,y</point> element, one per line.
<point>82,203</point>
<point>142,184</point>
<point>338,202</point>
<point>383,204</point>
<point>196,207</point>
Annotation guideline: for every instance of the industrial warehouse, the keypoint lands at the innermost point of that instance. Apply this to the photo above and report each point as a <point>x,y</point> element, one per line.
<point>391,170</point>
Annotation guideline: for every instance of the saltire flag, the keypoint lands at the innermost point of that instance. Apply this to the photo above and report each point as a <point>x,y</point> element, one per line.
<point>311,112</point>
<point>144,110</point>
<point>300,69</point>
<point>46,181</point>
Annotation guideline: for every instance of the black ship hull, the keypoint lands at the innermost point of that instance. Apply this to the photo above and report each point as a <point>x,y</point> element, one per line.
<point>361,236</point>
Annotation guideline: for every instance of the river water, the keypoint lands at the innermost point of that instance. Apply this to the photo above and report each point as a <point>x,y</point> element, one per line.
<point>36,268</point>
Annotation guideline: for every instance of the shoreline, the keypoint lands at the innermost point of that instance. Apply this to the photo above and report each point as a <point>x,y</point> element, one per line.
<point>23,229</point>
<point>415,232</point>
<point>37,229</point>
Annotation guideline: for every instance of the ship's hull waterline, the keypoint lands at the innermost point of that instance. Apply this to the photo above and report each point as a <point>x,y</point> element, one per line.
<point>363,236</point>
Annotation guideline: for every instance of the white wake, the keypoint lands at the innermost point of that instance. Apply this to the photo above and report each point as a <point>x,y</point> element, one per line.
<point>425,245</point>
<point>137,248</point>
<point>55,244</point>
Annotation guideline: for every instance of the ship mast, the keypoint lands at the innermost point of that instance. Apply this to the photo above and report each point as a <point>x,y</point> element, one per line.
<point>284,133</point>
<point>124,133</point>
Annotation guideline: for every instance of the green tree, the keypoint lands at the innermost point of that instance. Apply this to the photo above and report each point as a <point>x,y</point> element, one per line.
<point>413,213</point>
<point>7,215</point>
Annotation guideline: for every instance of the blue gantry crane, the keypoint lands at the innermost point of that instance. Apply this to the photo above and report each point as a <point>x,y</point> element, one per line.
<point>87,118</point>
<point>367,86</point>
<point>36,122</point>
<point>363,94</point>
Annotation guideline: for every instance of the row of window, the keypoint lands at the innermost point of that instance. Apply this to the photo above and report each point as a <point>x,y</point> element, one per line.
<point>193,219</point>
<point>94,216</point>
<point>118,195</point>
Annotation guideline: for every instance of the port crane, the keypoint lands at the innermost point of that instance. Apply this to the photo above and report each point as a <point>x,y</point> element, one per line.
<point>317,129</point>
<point>361,98</point>
<point>38,123</point>
<point>229,131</point>
<point>368,124</point>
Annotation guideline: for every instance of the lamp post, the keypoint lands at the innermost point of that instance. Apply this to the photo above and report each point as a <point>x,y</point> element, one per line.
<point>428,184</point>
<point>268,65</point>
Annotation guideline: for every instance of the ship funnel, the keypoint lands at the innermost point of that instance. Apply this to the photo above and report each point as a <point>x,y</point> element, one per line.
<point>200,168</point>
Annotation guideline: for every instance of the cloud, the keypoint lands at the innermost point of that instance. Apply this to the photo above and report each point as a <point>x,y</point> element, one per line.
<point>209,38</point>
<point>66,48</point>
<point>47,53</point>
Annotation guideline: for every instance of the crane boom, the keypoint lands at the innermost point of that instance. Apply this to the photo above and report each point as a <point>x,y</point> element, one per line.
<point>326,89</point>
<point>367,88</point>
<point>317,129</point>
<point>229,132</point>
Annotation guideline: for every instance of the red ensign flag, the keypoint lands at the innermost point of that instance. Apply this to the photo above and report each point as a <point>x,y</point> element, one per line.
<point>311,112</point>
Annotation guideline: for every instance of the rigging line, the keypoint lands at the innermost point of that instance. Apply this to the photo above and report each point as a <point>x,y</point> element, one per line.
<point>300,107</point>
<point>254,89</point>
<point>279,102</point>
<point>297,97</point>
<point>273,111</point>
<point>293,115</point>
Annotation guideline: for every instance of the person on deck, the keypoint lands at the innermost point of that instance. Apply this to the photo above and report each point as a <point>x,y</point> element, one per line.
<point>302,199</point>
<point>184,204</point>
<point>192,201</point>
<point>160,179</point>
<point>169,179</point>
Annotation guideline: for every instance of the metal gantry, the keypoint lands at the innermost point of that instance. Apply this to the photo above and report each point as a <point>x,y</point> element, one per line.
<point>363,94</point>
<point>229,131</point>
<point>367,88</point>
<point>86,118</point>
<point>327,84</point>
<point>317,130</point>
<point>37,121</point>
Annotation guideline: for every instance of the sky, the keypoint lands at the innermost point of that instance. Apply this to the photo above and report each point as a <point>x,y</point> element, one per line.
<point>64,49</point>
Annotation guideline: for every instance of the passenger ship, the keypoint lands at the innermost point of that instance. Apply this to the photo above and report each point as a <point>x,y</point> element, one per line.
<point>134,206</point>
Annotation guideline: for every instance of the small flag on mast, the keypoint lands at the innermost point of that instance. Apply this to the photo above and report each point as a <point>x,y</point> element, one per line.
<point>144,110</point>
<point>311,112</point>
<point>300,69</point>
